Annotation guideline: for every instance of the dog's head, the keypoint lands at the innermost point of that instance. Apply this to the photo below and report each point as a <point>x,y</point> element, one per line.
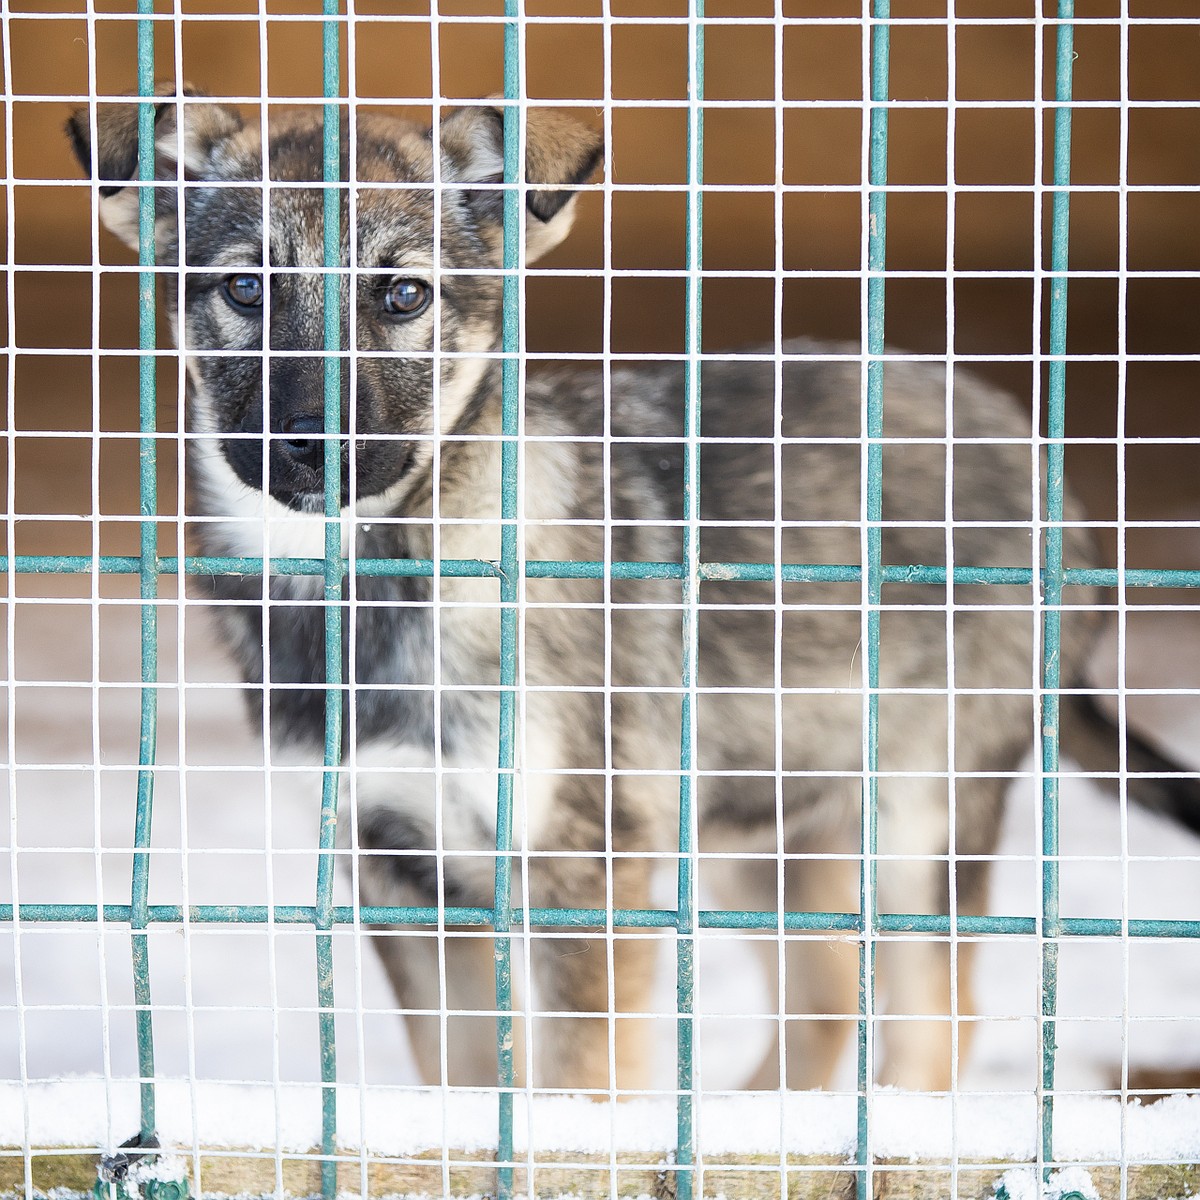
<point>407,282</point>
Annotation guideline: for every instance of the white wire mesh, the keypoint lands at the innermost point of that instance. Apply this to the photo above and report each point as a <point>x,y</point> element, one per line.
<point>784,250</point>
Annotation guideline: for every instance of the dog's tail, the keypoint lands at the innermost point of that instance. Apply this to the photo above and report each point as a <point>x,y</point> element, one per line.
<point>1092,739</point>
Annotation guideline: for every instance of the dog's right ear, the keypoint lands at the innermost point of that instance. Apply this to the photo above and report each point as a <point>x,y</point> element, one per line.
<point>560,153</point>
<point>113,160</point>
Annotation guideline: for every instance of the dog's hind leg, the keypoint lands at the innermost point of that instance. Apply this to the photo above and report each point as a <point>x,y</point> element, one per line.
<point>913,971</point>
<point>930,975</point>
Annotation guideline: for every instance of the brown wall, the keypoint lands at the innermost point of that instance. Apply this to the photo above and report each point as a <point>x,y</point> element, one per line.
<point>821,229</point>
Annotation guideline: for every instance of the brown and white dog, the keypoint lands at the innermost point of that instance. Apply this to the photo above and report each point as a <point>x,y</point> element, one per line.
<point>780,714</point>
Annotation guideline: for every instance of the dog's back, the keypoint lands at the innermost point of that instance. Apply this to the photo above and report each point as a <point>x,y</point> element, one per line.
<point>791,491</point>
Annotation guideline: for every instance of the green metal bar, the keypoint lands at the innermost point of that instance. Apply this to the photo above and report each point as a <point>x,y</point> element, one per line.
<point>334,575</point>
<point>147,573</point>
<point>112,564</point>
<point>510,578</point>
<point>685,967</point>
<point>874,575</point>
<point>1052,569</point>
<point>579,918</point>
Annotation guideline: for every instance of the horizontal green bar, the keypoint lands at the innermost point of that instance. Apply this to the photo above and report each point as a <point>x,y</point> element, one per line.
<point>574,918</point>
<point>472,568</point>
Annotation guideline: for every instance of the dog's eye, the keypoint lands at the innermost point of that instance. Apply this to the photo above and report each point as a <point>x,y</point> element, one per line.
<point>244,291</point>
<point>406,298</point>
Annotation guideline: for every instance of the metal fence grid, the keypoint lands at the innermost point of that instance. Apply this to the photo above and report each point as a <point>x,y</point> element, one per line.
<point>1050,580</point>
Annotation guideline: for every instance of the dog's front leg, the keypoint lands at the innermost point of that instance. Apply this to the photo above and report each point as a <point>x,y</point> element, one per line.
<point>440,1020</point>
<point>581,973</point>
<point>445,984</point>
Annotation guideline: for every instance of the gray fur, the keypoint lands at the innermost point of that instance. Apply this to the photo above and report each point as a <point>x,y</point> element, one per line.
<point>567,736</point>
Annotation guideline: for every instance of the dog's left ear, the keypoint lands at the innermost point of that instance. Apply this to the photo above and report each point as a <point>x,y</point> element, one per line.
<point>558,150</point>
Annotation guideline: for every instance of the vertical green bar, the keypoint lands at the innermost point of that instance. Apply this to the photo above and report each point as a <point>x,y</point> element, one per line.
<point>685,999</point>
<point>873,568</point>
<point>510,424</point>
<point>334,575</point>
<point>148,571</point>
<point>1052,572</point>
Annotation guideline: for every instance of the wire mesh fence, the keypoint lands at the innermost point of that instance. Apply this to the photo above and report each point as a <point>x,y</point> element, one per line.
<point>196,914</point>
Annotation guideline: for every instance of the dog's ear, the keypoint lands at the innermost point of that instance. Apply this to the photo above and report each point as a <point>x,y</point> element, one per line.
<point>113,160</point>
<point>558,150</point>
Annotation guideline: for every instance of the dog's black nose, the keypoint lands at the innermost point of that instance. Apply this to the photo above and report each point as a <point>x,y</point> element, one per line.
<point>299,428</point>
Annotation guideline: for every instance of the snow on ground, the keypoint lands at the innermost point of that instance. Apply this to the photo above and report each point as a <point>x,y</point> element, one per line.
<point>398,1122</point>
<point>236,1004</point>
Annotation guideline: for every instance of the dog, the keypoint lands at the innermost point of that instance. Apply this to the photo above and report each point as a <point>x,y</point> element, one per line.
<point>780,709</point>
